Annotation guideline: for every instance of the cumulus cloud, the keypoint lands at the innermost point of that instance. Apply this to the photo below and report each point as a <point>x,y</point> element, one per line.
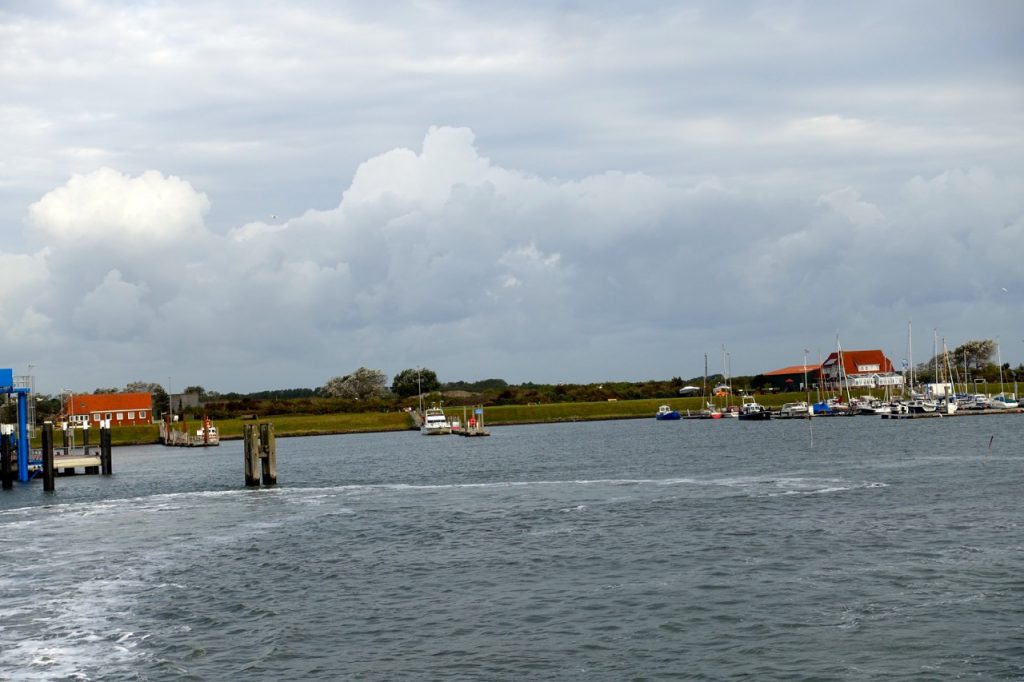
<point>439,257</point>
<point>110,207</point>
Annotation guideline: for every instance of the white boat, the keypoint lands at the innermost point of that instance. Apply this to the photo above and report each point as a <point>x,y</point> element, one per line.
<point>922,406</point>
<point>873,406</point>
<point>800,410</point>
<point>753,411</point>
<point>435,423</point>
<point>1004,402</point>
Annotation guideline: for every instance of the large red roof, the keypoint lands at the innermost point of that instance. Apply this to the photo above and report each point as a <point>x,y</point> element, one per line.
<point>794,369</point>
<point>855,360</point>
<point>110,402</point>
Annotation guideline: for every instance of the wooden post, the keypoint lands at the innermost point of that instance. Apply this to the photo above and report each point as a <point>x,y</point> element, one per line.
<point>85,440</point>
<point>48,457</point>
<point>252,453</point>
<point>6,470</point>
<point>95,470</point>
<point>268,454</point>
<point>66,439</point>
<point>106,467</point>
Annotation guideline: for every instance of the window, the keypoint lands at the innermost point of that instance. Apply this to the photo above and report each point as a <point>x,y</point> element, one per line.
<point>131,415</point>
<point>120,416</point>
<point>95,416</point>
<point>108,416</point>
<point>142,414</point>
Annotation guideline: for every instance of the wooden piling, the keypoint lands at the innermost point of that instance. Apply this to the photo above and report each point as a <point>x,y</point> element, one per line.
<point>48,472</point>
<point>268,454</point>
<point>65,439</point>
<point>252,454</point>
<point>85,440</point>
<point>6,470</point>
<point>106,460</point>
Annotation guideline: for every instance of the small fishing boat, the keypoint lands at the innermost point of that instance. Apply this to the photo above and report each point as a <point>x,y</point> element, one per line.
<point>435,423</point>
<point>753,411</point>
<point>666,413</point>
<point>1004,402</point>
<point>800,410</point>
<point>205,437</point>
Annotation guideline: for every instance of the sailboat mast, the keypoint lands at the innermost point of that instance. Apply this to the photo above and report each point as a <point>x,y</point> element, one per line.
<point>999,359</point>
<point>704,387</point>
<point>910,354</point>
<point>842,369</point>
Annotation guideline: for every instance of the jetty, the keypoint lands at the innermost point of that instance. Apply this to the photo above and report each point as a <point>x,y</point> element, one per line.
<point>45,462</point>
<point>474,427</point>
<point>205,437</point>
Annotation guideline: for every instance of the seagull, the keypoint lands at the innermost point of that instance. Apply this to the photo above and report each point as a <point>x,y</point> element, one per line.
<point>1004,289</point>
<point>274,217</point>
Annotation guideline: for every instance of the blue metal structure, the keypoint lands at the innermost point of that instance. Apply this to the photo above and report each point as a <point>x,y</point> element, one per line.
<point>7,386</point>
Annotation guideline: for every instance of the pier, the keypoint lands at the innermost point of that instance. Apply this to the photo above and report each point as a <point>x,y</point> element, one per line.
<point>474,428</point>
<point>958,413</point>
<point>47,464</point>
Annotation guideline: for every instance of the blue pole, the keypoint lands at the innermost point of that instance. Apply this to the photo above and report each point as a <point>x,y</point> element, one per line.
<point>23,435</point>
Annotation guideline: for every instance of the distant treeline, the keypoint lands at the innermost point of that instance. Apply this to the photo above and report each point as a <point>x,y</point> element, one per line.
<point>451,394</point>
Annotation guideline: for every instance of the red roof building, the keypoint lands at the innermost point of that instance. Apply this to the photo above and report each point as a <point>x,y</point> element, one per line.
<point>793,378</point>
<point>866,368</point>
<point>122,409</point>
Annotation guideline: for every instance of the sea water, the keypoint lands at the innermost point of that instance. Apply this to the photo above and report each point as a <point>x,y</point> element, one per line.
<point>842,549</point>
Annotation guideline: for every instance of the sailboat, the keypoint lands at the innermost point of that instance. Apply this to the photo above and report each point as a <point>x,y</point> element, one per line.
<point>710,411</point>
<point>1002,401</point>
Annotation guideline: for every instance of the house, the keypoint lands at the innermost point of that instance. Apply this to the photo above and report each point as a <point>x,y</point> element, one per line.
<point>122,409</point>
<point>862,369</point>
<point>792,378</point>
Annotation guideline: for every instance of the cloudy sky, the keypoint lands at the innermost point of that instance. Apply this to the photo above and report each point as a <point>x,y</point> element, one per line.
<point>267,194</point>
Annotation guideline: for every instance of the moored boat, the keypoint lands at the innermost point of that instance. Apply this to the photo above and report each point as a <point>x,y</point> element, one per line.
<point>1004,402</point>
<point>800,410</point>
<point>666,413</point>
<point>753,411</point>
<point>205,436</point>
<point>435,423</point>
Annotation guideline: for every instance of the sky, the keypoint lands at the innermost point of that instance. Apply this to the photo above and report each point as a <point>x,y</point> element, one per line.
<point>259,195</point>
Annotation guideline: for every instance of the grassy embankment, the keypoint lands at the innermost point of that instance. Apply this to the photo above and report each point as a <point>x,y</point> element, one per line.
<point>368,422</point>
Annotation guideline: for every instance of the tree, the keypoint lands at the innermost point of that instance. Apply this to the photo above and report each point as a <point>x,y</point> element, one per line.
<point>154,389</point>
<point>197,390</point>
<point>410,382</point>
<point>976,354</point>
<point>361,384</point>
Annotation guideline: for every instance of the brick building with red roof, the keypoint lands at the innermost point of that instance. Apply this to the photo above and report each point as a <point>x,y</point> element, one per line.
<point>122,409</point>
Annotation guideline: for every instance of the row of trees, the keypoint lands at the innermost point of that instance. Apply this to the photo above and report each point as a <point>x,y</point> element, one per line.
<point>968,361</point>
<point>368,389</point>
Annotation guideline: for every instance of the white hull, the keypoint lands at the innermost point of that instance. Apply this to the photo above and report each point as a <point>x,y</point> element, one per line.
<point>435,423</point>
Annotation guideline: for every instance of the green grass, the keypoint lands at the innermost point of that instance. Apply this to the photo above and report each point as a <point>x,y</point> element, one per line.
<point>367,422</point>
<point>315,424</point>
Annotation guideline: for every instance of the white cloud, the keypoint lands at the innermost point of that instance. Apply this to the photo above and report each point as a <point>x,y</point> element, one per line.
<point>111,207</point>
<point>592,175</point>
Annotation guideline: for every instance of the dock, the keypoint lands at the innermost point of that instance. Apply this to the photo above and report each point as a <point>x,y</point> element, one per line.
<point>474,428</point>
<point>958,413</point>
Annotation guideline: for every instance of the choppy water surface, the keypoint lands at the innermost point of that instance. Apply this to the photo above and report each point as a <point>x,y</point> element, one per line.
<point>589,551</point>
